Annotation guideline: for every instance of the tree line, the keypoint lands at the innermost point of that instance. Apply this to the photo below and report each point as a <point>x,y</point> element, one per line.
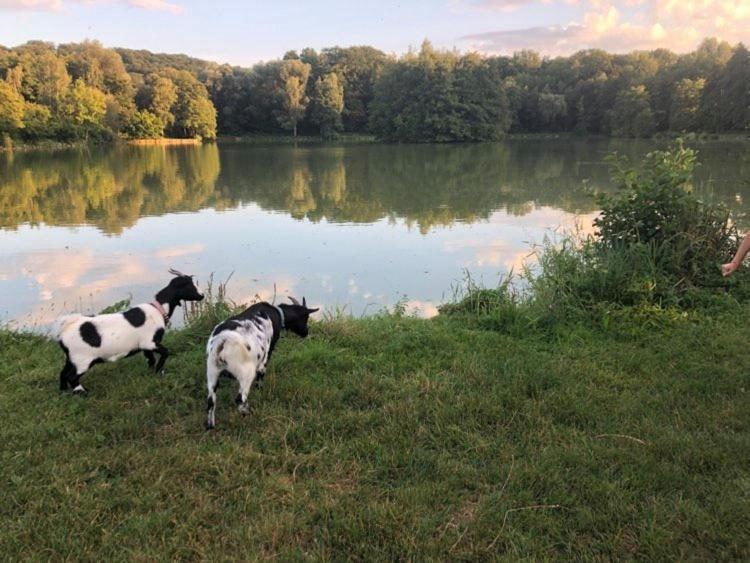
<point>84,91</point>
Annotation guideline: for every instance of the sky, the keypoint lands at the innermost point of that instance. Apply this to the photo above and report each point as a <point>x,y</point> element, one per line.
<point>246,32</point>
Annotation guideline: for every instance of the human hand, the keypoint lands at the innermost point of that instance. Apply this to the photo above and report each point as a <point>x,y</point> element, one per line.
<point>728,269</point>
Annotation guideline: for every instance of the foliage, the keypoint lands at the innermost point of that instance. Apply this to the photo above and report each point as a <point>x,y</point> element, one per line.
<point>657,209</point>
<point>37,122</point>
<point>11,109</point>
<point>725,103</point>
<point>631,115</point>
<point>656,243</point>
<point>424,96</point>
<point>439,96</point>
<point>144,125</point>
<point>158,95</point>
<point>83,111</point>
<point>683,113</point>
<point>194,114</point>
<point>293,76</point>
<point>656,246</point>
<point>327,104</point>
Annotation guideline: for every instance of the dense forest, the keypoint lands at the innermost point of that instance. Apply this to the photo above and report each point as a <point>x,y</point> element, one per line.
<point>84,91</point>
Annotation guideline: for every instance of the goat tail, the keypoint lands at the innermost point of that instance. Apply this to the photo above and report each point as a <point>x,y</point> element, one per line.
<point>227,347</point>
<point>61,324</point>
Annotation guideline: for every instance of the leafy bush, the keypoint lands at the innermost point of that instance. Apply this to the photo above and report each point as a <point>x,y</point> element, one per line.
<point>655,214</point>
<point>656,246</point>
<point>656,242</point>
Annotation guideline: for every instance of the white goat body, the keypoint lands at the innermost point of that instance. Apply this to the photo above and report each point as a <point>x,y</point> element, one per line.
<point>108,337</point>
<point>240,347</point>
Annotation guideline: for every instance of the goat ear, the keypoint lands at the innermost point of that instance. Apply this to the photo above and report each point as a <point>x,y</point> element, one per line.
<point>311,311</point>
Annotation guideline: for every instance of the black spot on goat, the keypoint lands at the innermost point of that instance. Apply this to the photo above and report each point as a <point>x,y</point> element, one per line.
<point>135,316</point>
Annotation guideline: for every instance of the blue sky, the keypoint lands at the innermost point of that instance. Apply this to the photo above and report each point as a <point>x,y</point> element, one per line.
<point>247,32</point>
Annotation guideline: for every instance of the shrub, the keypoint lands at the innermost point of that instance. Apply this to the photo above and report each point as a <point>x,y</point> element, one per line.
<point>655,214</point>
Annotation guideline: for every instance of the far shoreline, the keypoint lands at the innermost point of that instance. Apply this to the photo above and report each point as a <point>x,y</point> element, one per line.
<point>356,138</point>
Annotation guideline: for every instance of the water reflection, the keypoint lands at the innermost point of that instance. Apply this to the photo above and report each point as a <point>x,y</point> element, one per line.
<point>358,226</point>
<point>425,185</point>
<point>109,188</point>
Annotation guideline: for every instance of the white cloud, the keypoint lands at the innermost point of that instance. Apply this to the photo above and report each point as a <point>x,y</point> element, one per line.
<point>158,5</point>
<point>490,5</point>
<point>41,5</point>
<point>57,5</point>
<point>625,25</point>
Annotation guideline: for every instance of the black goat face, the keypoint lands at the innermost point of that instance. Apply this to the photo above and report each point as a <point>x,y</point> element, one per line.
<point>184,289</point>
<point>296,316</point>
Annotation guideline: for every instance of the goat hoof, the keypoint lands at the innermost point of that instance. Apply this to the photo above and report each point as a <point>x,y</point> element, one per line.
<point>209,427</point>
<point>244,409</point>
<point>80,390</point>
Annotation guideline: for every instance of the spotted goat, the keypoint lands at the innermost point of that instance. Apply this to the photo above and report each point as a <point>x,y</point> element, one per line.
<point>89,340</point>
<point>241,347</point>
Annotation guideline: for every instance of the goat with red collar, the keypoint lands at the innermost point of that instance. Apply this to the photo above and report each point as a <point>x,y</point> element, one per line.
<point>87,341</point>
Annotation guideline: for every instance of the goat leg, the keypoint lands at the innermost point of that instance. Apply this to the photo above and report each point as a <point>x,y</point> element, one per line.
<point>150,358</point>
<point>163,355</point>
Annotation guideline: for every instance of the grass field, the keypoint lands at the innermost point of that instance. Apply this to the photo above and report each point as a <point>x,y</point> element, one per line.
<point>392,438</point>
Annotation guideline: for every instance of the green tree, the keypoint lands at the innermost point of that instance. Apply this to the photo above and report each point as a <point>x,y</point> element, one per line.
<point>37,122</point>
<point>45,78</point>
<point>195,115</point>
<point>631,115</point>
<point>552,110</point>
<point>144,125</point>
<point>158,95</point>
<point>439,96</point>
<point>327,104</point>
<point>726,101</point>
<point>83,111</point>
<point>11,109</point>
<point>359,68</point>
<point>293,78</point>
<point>683,114</point>
<point>99,67</point>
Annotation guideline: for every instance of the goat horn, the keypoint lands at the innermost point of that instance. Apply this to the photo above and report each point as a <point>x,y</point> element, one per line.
<point>175,272</point>
<point>293,300</point>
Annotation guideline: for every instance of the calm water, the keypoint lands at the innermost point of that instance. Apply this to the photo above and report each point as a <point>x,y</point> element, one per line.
<point>356,227</point>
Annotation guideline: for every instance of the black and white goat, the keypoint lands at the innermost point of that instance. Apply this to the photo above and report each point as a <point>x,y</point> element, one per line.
<point>107,338</point>
<point>242,345</point>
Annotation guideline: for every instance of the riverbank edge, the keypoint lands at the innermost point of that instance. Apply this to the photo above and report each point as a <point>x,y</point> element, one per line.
<point>356,138</point>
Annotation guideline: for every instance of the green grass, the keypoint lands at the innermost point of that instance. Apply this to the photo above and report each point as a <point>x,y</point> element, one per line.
<point>392,438</point>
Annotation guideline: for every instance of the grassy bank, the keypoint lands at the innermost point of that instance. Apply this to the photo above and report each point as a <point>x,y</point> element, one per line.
<point>393,437</point>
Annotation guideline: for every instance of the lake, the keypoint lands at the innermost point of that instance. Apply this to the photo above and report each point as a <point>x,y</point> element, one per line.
<point>354,228</point>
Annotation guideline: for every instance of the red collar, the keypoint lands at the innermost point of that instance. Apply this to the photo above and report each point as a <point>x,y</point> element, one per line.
<point>160,308</point>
